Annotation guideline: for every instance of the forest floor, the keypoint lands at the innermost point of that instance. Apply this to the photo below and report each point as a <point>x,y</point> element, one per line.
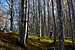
<point>8,42</point>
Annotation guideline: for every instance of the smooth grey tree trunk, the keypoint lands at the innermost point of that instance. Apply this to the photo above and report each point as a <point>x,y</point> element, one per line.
<point>44,18</point>
<point>60,27</point>
<point>39,9</point>
<point>54,22</point>
<point>73,21</point>
<point>21,23</point>
<point>48,10</point>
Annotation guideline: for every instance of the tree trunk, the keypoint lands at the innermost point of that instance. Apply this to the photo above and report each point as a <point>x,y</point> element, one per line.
<point>44,18</point>
<point>21,24</point>
<point>72,21</point>
<point>11,13</point>
<point>54,22</point>
<point>39,9</point>
<point>48,10</point>
<point>60,27</point>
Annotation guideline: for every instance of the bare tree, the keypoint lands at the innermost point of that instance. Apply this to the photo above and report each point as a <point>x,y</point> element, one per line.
<point>10,3</point>
<point>54,22</point>
<point>60,27</point>
<point>48,10</point>
<point>21,24</point>
<point>71,8</point>
<point>44,19</point>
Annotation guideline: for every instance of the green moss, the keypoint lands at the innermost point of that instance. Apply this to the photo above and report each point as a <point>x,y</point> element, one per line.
<point>34,37</point>
<point>68,38</point>
<point>68,41</point>
<point>13,33</point>
<point>1,42</point>
<point>46,38</point>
